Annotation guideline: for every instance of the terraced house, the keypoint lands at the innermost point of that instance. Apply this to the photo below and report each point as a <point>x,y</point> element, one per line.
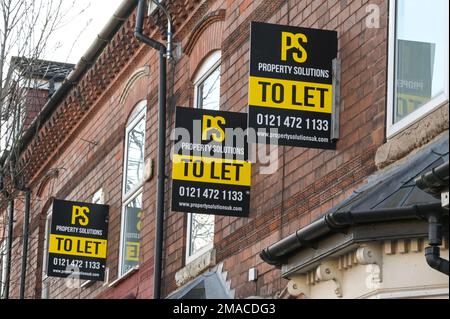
<point>367,219</point>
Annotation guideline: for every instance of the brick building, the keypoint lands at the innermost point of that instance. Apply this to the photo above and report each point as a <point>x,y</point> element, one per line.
<point>98,143</point>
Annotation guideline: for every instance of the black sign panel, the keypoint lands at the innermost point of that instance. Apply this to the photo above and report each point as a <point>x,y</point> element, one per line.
<point>78,240</point>
<point>211,173</point>
<point>290,85</point>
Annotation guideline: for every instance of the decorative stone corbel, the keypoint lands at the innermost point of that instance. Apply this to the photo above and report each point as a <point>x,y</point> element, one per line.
<point>298,287</point>
<point>371,256</point>
<point>328,270</point>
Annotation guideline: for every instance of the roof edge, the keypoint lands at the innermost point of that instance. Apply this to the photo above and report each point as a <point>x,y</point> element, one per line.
<point>333,222</point>
<point>83,65</point>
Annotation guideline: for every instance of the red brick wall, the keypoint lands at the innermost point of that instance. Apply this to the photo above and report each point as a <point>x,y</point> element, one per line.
<point>307,183</point>
<point>90,159</point>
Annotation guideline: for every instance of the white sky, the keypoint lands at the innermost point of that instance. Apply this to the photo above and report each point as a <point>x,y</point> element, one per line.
<point>80,28</point>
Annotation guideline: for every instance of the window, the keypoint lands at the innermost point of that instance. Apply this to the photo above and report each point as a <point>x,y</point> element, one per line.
<point>45,279</point>
<point>200,228</point>
<point>207,83</point>
<point>418,61</point>
<point>132,190</point>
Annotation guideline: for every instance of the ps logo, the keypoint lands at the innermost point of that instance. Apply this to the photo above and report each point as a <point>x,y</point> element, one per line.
<point>290,41</point>
<point>211,128</point>
<point>79,214</point>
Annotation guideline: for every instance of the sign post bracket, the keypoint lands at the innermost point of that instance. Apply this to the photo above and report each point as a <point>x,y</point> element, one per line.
<point>336,104</point>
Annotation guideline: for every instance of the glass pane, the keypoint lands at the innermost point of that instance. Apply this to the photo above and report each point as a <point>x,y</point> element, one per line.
<point>421,46</point>
<point>202,232</point>
<point>130,237</point>
<point>135,156</point>
<point>209,91</point>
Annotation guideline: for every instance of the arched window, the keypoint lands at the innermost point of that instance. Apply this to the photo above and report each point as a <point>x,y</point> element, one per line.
<point>207,83</point>
<point>200,228</point>
<point>133,172</point>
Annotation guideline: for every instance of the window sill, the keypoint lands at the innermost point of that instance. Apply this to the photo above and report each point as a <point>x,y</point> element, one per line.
<point>413,137</point>
<point>124,276</point>
<point>417,116</point>
<point>199,254</point>
<point>195,267</point>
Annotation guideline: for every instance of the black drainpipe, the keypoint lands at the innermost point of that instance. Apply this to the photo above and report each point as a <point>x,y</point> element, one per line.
<point>432,252</point>
<point>26,223</point>
<point>163,54</point>
<point>434,182</point>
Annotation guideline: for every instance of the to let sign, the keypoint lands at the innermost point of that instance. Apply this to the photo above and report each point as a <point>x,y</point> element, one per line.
<point>291,85</point>
<point>211,173</point>
<point>78,240</point>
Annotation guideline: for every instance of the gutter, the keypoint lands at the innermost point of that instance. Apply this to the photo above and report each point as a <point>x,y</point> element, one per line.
<point>86,61</point>
<point>434,181</point>
<point>334,222</point>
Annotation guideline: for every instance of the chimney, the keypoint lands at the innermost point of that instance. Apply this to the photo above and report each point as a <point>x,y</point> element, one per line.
<point>42,79</point>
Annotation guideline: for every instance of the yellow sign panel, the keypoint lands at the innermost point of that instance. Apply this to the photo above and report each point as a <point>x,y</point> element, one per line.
<point>211,125</point>
<point>132,251</point>
<point>290,41</point>
<point>291,95</point>
<point>211,170</point>
<point>77,246</point>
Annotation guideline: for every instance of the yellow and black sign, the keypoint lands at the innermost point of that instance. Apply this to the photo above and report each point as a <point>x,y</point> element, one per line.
<point>291,85</point>
<point>77,242</point>
<point>211,173</point>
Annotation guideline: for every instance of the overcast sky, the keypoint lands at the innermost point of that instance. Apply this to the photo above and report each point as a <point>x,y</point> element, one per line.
<point>80,27</point>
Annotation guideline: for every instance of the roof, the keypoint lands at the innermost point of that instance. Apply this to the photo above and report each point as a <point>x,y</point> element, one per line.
<point>43,69</point>
<point>397,187</point>
<point>389,191</point>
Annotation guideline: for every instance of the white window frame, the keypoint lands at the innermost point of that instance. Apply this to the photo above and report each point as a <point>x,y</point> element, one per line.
<point>132,122</point>
<point>129,196</point>
<point>3,267</point>
<point>45,284</point>
<point>207,67</point>
<point>437,101</point>
<point>122,229</point>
